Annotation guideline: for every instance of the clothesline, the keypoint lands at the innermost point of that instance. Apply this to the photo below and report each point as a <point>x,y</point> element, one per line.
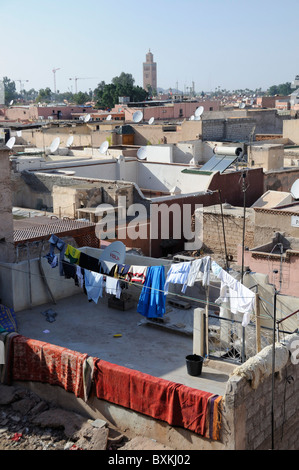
<point>155,284</point>
<point>184,297</point>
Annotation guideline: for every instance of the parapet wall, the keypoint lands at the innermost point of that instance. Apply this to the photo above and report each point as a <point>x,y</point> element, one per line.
<point>248,400</point>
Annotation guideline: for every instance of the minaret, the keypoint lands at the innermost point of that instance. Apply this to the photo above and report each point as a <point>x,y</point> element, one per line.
<point>149,72</point>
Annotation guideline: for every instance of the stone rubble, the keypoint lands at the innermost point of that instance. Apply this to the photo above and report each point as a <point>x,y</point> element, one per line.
<point>29,423</point>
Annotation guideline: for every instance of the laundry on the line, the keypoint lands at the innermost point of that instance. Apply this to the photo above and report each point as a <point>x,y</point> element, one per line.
<point>94,275</point>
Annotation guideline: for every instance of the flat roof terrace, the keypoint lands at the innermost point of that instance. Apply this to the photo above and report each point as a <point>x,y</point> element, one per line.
<point>90,328</point>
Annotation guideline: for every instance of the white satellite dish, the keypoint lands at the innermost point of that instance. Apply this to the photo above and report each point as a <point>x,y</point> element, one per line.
<point>151,120</point>
<point>109,117</point>
<point>242,105</point>
<point>70,140</point>
<point>104,147</point>
<point>55,144</point>
<point>295,189</point>
<point>11,142</point>
<point>199,111</point>
<point>141,153</point>
<point>87,118</point>
<point>19,133</point>
<point>137,116</point>
<point>115,253</point>
<point>192,118</point>
<point>11,103</point>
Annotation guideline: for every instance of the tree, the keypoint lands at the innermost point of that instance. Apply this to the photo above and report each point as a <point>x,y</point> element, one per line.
<point>9,90</point>
<point>284,89</point>
<point>107,95</point>
<point>81,98</point>
<point>44,95</point>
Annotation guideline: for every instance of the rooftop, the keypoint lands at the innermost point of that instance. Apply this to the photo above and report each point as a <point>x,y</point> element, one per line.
<point>90,328</point>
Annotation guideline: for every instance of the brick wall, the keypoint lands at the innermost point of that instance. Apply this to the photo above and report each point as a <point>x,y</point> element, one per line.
<point>213,239</point>
<point>227,129</point>
<point>249,410</point>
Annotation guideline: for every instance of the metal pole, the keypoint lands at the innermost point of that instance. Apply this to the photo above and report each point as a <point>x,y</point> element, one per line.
<point>273,367</point>
<point>223,230</point>
<point>243,248</point>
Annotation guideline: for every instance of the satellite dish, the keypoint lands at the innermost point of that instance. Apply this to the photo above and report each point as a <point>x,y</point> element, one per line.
<point>11,103</point>
<point>199,111</point>
<point>115,253</point>
<point>137,116</point>
<point>109,117</point>
<point>104,147</point>
<point>294,189</point>
<point>54,145</point>
<point>70,140</point>
<point>192,118</point>
<point>11,142</point>
<point>242,105</point>
<point>151,120</point>
<point>87,118</point>
<point>19,133</point>
<point>141,153</point>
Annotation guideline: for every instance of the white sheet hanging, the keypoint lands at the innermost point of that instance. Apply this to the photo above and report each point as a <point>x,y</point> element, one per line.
<point>113,286</point>
<point>241,299</point>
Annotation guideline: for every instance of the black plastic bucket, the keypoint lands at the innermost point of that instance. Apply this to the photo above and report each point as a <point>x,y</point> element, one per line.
<point>194,364</point>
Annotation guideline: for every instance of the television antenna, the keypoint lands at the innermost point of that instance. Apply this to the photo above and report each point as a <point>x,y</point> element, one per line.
<point>295,189</point>
<point>69,141</point>
<point>10,143</point>
<point>137,116</point>
<point>104,147</point>
<point>55,144</point>
<point>141,153</point>
<point>199,111</point>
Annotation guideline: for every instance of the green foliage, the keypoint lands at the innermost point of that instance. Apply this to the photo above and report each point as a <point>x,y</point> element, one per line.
<point>81,98</point>
<point>44,95</point>
<point>10,90</point>
<point>107,95</point>
<point>284,89</point>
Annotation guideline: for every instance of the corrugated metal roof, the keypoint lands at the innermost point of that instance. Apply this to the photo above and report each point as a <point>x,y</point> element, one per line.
<point>40,227</point>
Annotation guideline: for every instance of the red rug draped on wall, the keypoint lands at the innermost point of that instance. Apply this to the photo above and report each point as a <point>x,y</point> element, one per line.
<point>158,398</point>
<point>173,403</point>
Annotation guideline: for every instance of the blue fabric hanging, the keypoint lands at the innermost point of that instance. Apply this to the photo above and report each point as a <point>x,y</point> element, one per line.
<point>8,321</point>
<point>152,299</point>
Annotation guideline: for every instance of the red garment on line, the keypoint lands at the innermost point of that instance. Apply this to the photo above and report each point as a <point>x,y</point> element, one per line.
<point>168,401</point>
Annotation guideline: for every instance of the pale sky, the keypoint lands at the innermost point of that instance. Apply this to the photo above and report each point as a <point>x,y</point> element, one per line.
<point>229,44</point>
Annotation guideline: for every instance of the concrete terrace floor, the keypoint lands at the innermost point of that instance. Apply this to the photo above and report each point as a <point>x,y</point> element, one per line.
<point>89,328</point>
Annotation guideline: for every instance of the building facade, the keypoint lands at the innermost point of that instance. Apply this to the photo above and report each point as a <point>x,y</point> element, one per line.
<point>149,72</point>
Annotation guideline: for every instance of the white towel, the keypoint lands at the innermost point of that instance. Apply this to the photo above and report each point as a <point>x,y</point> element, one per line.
<point>113,286</point>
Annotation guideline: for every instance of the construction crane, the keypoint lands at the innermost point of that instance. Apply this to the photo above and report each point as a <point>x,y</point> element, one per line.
<point>82,78</point>
<point>54,72</point>
<point>21,84</point>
